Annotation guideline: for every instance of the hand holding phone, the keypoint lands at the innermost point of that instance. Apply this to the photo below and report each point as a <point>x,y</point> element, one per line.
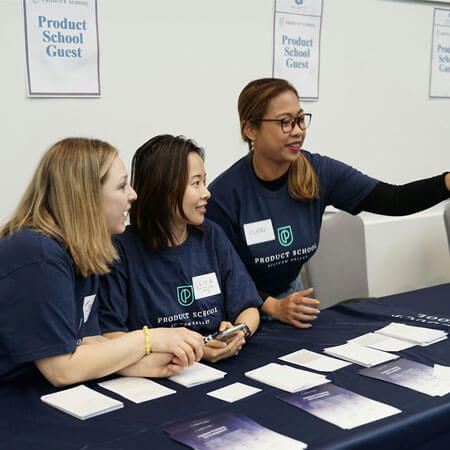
<point>225,335</point>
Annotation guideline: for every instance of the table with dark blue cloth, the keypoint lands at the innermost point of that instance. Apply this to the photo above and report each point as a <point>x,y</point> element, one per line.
<point>27,423</point>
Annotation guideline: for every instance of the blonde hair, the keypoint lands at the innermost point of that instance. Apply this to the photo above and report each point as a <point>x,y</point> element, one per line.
<point>64,201</point>
<point>252,105</point>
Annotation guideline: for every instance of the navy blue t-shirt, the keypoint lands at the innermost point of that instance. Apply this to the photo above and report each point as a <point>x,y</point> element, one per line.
<point>273,233</point>
<point>198,285</point>
<point>46,307</point>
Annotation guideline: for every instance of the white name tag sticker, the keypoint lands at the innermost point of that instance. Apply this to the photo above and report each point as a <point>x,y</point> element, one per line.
<point>205,285</point>
<point>258,232</point>
<point>87,306</point>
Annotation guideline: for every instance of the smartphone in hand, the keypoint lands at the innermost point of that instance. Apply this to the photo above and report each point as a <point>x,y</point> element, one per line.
<point>224,335</point>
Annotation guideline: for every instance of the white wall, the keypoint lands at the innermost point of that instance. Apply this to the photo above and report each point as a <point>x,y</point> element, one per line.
<point>178,66</point>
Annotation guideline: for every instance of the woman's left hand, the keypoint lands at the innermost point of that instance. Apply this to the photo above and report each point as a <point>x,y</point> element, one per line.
<point>216,350</point>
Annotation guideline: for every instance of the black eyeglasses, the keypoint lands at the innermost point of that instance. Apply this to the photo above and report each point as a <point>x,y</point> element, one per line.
<point>288,123</point>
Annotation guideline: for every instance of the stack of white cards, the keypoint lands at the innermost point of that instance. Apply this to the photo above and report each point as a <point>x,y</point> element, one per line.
<point>418,335</point>
<point>358,354</point>
<point>82,402</point>
<point>314,361</point>
<point>136,389</point>
<point>197,374</point>
<point>286,378</point>
<point>381,342</point>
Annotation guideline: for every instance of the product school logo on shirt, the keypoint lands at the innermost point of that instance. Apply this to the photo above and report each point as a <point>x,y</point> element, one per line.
<point>185,295</point>
<point>285,236</point>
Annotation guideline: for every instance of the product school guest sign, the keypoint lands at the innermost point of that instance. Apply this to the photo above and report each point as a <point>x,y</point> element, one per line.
<point>61,39</point>
<point>296,44</point>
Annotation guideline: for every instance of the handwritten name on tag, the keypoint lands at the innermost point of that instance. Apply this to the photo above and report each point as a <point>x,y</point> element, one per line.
<point>87,306</point>
<point>258,232</point>
<point>205,285</point>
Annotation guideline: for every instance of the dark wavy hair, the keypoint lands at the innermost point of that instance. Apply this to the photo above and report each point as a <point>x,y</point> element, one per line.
<point>159,175</point>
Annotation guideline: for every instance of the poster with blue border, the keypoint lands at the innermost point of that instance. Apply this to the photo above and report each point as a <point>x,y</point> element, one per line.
<point>62,48</point>
<point>296,44</point>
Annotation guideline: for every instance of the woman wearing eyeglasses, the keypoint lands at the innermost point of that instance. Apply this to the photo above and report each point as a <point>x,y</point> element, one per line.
<point>270,203</point>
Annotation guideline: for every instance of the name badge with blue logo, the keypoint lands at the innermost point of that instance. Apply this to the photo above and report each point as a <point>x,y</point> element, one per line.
<point>258,232</point>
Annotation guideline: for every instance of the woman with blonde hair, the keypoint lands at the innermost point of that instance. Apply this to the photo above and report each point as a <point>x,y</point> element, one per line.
<point>52,252</point>
<point>270,203</point>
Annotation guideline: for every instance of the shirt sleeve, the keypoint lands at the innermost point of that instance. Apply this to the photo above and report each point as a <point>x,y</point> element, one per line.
<point>343,186</point>
<point>112,293</point>
<point>239,289</point>
<point>392,200</point>
<point>217,213</point>
<point>38,317</point>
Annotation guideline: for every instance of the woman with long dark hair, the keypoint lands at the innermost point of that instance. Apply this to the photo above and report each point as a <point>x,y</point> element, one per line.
<point>175,268</point>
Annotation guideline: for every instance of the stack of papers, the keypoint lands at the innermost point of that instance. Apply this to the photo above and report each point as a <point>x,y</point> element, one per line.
<point>381,342</point>
<point>82,402</point>
<point>230,431</point>
<point>359,354</point>
<point>410,374</point>
<point>136,389</point>
<point>314,361</point>
<point>418,335</point>
<point>339,406</point>
<point>197,374</point>
<point>285,377</point>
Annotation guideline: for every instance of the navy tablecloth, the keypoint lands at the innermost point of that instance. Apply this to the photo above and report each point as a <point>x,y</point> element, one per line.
<point>27,423</point>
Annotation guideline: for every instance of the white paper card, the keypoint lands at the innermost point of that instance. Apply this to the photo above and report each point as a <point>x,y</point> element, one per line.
<point>359,354</point>
<point>234,392</point>
<point>82,402</point>
<point>87,306</point>
<point>258,232</point>
<point>314,361</point>
<point>411,333</point>
<point>136,389</point>
<point>440,58</point>
<point>442,372</point>
<point>286,377</point>
<point>380,342</point>
<point>197,374</point>
<point>205,285</point>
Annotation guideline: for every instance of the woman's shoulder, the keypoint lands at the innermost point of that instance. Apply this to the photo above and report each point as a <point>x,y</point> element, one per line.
<point>28,246</point>
<point>214,231</point>
<point>234,173</point>
<point>324,165</point>
<point>129,242</point>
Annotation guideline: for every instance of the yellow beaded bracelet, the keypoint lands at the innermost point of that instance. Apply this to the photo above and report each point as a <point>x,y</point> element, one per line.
<point>148,346</point>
